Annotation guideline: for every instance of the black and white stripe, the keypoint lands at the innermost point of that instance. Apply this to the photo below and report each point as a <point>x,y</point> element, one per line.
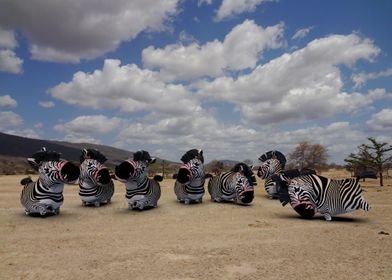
<point>141,191</point>
<point>272,163</point>
<point>189,186</point>
<point>45,196</point>
<point>95,184</point>
<point>309,194</point>
<point>235,186</point>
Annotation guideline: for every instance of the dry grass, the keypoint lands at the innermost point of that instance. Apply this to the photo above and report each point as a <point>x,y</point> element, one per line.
<point>207,241</point>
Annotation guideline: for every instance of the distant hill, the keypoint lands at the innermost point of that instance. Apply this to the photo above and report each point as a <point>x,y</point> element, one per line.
<point>15,149</point>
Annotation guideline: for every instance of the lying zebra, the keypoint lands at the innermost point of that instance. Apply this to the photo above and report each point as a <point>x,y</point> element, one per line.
<point>141,192</point>
<point>189,185</point>
<point>45,196</point>
<point>95,184</point>
<point>309,194</point>
<point>236,186</point>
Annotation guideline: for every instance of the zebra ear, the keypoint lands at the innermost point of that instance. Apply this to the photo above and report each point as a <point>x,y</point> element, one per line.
<point>34,163</point>
<point>151,161</point>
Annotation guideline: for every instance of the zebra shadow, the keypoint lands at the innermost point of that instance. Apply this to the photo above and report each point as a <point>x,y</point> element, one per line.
<point>337,219</point>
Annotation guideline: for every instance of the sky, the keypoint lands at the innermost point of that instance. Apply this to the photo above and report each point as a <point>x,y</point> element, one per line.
<point>235,78</point>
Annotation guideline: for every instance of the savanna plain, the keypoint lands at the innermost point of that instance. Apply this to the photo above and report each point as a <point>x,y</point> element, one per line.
<point>201,241</point>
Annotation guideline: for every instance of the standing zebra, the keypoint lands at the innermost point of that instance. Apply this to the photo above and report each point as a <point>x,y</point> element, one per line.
<point>45,196</point>
<point>189,186</point>
<point>272,162</point>
<point>95,184</point>
<point>237,185</point>
<point>141,192</point>
<point>312,193</point>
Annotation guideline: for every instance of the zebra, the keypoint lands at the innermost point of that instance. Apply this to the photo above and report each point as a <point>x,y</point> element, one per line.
<point>141,192</point>
<point>272,162</point>
<point>189,185</point>
<point>236,186</point>
<point>309,194</point>
<point>95,184</point>
<point>45,196</point>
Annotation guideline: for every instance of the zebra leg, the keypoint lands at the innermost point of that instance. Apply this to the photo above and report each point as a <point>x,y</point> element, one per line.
<point>84,203</point>
<point>97,204</point>
<point>327,217</point>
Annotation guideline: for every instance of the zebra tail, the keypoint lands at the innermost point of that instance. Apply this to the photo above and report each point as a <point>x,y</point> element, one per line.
<point>367,174</point>
<point>158,178</point>
<point>26,181</point>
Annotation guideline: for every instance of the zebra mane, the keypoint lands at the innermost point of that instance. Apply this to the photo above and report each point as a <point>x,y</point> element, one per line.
<point>45,155</point>
<point>92,154</point>
<point>246,170</point>
<point>191,154</point>
<point>142,155</point>
<point>270,154</point>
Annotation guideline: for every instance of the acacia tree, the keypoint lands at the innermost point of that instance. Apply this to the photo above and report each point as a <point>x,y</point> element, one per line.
<point>309,155</point>
<point>374,156</point>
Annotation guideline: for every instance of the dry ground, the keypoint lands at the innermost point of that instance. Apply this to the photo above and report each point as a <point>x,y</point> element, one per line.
<point>207,241</point>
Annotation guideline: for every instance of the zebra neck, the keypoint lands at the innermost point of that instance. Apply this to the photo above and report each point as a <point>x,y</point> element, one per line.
<point>134,184</point>
<point>53,187</point>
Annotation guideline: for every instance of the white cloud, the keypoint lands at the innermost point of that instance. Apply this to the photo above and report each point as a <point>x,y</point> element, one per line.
<point>303,85</point>
<point>125,87</point>
<point>9,62</point>
<point>232,7</point>
<point>7,101</point>
<point>201,2</point>
<point>381,121</point>
<point>88,28</point>
<point>9,119</point>
<point>96,124</point>
<point>28,132</point>
<point>301,33</point>
<point>241,49</point>
<point>7,39</point>
<point>46,104</point>
<point>361,78</point>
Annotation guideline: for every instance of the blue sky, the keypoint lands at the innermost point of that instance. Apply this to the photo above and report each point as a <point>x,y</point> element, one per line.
<point>234,78</point>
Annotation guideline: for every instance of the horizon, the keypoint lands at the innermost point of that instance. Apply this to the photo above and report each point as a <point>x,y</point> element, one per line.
<point>233,78</point>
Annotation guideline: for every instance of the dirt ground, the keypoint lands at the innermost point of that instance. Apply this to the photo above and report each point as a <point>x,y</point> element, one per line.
<point>206,241</point>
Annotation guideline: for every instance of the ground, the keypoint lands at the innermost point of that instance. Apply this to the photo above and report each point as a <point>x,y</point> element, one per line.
<point>205,241</point>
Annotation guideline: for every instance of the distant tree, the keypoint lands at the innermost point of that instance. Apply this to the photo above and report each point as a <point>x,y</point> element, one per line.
<point>307,155</point>
<point>375,156</point>
<point>248,162</point>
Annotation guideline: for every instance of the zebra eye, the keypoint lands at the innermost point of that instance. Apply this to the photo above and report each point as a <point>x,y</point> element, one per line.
<point>296,189</point>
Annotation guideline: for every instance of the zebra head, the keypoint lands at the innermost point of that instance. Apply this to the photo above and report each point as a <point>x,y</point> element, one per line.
<point>193,167</point>
<point>134,169</point>
<point>92,167</point>
<point>272,162</point>
<point>52,169</point>
<point>243,188</point>
<point>301,198</point>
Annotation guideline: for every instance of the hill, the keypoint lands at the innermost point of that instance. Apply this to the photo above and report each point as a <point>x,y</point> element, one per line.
<point>15,149</point>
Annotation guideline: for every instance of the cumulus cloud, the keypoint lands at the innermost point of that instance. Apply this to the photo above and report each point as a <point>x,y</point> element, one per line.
<point>381,121</point>
<point>241,49</point>
<point>361,78</point>
<point>232,7</point>
<point>7,101</point>
<point>9,119</point>
<point>88,28</point>
<point>128,88</point>
<point>46,104</point>
<point>97,124</point>
<point>301,33</point>
<point>9,62</point>
<point>302,85</point>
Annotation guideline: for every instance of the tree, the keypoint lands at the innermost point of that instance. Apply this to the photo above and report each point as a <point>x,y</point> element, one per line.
<point>374,156</point>
<point>309,155</point>
<point>216,167</point>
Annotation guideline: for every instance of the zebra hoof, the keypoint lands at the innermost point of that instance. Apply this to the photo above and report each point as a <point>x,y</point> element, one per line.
<point>97,204</point>
<point>187,201</point>
<point>27,213</point>
<point>56,211</point>
<point>84,203</point>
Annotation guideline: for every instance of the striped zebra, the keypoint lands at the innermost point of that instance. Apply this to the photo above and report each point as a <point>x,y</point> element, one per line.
<point>272,163</point>
<point>95,184</point>
<point>45,196</point>
<point>309,194</point>
<point>236,186</point>
<point>141,192</point>
<point>189,185</point>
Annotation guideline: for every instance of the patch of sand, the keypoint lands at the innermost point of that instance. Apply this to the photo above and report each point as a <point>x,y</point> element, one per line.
<point>202,241</point>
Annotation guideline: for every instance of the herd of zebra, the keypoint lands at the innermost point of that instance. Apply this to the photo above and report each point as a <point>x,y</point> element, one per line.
<point>307,192</point>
